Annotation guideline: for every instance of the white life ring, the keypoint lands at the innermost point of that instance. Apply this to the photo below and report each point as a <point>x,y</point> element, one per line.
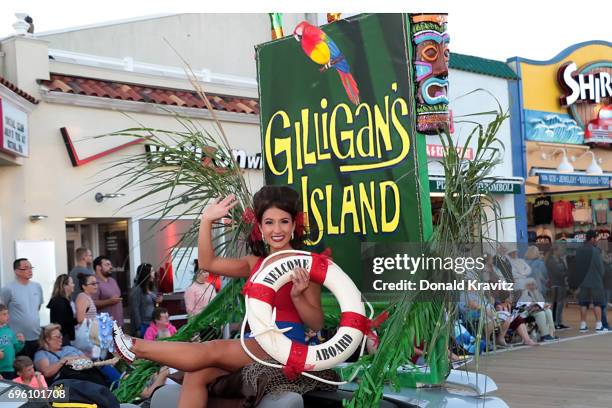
<point>260,291</point>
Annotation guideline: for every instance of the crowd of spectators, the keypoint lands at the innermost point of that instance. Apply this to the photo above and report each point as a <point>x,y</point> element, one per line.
<point>38,356</point>
<point>529,314</point>
<point>544,278</point>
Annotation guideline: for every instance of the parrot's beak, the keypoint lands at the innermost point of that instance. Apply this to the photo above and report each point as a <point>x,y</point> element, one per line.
<point>298,37</point>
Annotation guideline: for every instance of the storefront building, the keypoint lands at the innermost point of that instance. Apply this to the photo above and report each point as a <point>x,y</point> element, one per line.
<point>565,119</point>
<point>60,90</point>
<point>478,85</point>
<point>73,85</point>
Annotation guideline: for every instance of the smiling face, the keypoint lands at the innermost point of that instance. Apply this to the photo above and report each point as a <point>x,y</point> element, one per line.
<point>276,228</point>
<point>431,56</point>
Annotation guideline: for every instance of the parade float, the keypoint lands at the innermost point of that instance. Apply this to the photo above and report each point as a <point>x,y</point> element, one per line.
<point>345,112</point>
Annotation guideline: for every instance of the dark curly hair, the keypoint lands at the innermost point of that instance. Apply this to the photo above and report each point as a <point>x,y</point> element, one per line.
<point>284,198</point>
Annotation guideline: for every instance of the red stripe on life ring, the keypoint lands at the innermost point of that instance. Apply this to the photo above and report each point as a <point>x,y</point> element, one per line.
<point>259,292</point>
<point>356,321</point>
<point>296,363</point>
<point>318,269</point>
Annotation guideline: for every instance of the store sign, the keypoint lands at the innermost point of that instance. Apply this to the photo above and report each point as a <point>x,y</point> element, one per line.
<point>495,187</point>
<point>437,151</point>
<point>79,161</point>
<point>244,160</point>
<point>579,180</point>
<point>345,139</point>
<point>13,129</point>
<point>587,94</point>
<point>587,87</point>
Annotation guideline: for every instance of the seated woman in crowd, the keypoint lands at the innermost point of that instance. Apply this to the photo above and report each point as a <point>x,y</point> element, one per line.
<point>540,310</point>
<point>52,358</point>
<point>160,327</point>
<point>143,298</point>
<point>62,308</point>
<point>513,322</point>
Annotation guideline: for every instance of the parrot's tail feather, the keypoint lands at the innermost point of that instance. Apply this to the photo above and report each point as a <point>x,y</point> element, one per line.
<point>350,86</point>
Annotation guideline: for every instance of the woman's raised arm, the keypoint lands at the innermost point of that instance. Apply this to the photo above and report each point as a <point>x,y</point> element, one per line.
<point>207,260</point>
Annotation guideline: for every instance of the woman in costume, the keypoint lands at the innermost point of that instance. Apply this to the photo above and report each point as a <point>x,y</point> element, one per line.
<point>276,227</point>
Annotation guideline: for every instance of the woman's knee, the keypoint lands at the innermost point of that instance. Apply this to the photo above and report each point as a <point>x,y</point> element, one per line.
<point>203,377</point>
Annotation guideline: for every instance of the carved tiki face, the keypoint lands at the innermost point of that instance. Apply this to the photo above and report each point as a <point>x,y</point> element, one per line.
<point>430,43</point>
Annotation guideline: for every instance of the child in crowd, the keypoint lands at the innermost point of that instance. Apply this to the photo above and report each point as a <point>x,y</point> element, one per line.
<point>10,344</point>
<point>160,327</point>
<point>26,374</point>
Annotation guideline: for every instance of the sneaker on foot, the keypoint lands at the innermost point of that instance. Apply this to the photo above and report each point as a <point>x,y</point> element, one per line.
<point>601,329</point>
<point>123,344</point>
<point>563,327</point>
<point>548,337</point>
<point>583,327</point>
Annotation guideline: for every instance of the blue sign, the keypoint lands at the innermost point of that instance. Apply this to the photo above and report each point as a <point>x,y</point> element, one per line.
<point>582,180</point>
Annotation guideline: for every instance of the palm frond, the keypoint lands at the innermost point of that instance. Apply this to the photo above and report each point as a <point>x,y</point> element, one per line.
<point>414,319</point>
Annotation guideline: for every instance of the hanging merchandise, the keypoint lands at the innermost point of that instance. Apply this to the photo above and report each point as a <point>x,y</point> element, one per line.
<point>542,210</point>
<point>579,236</point>
<point>582,213</point>
<point>562,214</point>
<point>603,234</point>
<point>600,211</point>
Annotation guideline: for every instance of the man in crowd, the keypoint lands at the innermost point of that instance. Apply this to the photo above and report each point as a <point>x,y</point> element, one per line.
<point>108,297</point>
<point>83,262</point>
<point>591,287</point>
<point>23,297</point>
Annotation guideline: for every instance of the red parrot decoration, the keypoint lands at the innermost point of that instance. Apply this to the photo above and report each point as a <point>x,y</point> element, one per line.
<point>321,49</point>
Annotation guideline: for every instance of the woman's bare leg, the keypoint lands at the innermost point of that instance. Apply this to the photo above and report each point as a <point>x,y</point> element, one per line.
<point>189,357</point>
<point>522,332</point>
<point>194,391</point>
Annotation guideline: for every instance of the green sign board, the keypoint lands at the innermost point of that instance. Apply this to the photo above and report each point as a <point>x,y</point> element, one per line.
<point>495,187</point>
<point>344,136</point>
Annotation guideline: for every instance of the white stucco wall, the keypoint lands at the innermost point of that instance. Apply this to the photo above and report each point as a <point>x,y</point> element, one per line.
<point>223,43</point>
<point>494,91</point>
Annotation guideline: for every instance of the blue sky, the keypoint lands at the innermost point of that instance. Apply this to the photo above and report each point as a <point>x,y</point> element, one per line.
<point>535,29</point>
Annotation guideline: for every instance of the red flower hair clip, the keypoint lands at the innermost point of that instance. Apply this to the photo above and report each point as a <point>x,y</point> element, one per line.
<point>249,218</point>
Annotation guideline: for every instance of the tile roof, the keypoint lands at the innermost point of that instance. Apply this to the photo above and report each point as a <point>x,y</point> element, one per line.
<point>480,65</point>
<point>142,93</point>
<point>18,91</point>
